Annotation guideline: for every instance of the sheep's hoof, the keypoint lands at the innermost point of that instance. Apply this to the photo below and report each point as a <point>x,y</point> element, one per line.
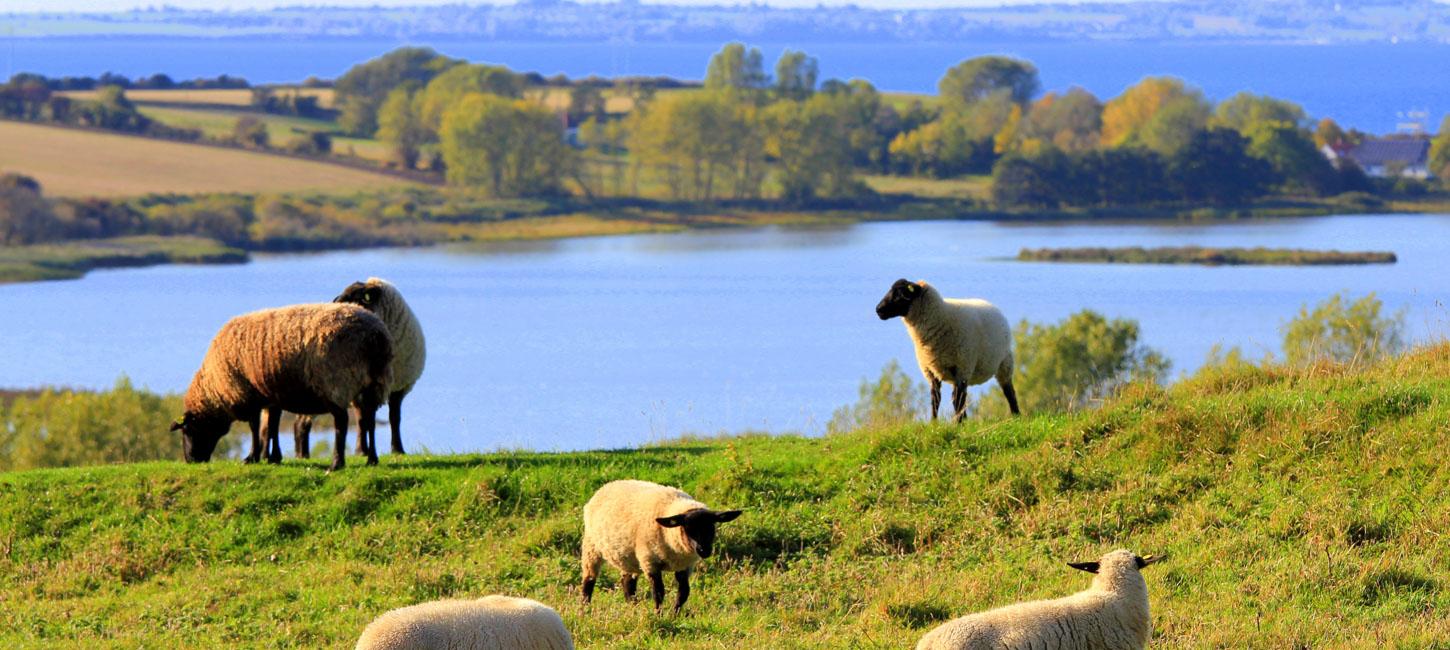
<point>249,460</point>
<point>372,460</point>
<point>337,465</point>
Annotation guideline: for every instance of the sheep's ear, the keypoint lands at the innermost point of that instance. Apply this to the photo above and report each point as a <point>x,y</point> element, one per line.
<point>1151,559</point>
<point>671,522</point>
<point>1090,567</point>
<point>728,515</point>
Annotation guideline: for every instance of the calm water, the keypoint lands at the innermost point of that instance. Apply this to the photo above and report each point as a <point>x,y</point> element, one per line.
<point>616,341</point>
<point>1365,86</point>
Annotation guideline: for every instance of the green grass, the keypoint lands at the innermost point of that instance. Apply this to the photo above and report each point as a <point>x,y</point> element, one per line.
<point>1205,256</point>
<point>72,259</point>
<point>1300,508</point>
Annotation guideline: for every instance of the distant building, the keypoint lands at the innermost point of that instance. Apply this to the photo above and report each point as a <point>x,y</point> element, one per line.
<point>1385,157</point>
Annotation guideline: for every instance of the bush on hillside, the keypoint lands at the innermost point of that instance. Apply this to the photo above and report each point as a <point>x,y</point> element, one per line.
<point>1345,331</point>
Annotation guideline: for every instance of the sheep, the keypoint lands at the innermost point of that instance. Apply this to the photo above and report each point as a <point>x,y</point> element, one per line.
<point>1110,615</point>
<point>409,352</point>
<point>305,358</point>
<point>964,342</point>
<point>489,623</point>
<point>646,528</point>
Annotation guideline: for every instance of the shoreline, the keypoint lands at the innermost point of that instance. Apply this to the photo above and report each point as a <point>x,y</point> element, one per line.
<point>73,259</point>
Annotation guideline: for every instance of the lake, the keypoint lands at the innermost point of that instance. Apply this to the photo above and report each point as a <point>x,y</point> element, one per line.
<point>615,341</point>
<point>1367,86</point>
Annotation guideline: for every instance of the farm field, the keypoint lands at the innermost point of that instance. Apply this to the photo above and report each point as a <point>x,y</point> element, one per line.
<point>1296,507</point>
<point>219,123</point>
<point>965,187</point>
<point>83,163</point>
<point>239,97</point>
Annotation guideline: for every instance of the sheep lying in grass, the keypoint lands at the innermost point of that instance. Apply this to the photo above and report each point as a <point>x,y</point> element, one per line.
<point>963,342</point>
<point>409,352</point>
<point>1110,615</point>
<point>640,527</point>
<point>489,623</point>
<point>305,359</point>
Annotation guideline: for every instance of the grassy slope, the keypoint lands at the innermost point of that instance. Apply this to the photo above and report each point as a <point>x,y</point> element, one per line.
<point>73,259</point>
<point>1299,508</point>
<point>69,162</point>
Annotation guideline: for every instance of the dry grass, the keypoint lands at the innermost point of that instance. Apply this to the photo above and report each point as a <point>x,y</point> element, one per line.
<point>81,163</point>
<point>966,187</point>
<point>220,96</point>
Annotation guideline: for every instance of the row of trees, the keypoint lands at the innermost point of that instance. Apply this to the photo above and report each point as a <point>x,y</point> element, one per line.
<point>154,82</point>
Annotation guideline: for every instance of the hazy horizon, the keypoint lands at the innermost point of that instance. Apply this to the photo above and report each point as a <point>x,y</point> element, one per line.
<point>107,6</point>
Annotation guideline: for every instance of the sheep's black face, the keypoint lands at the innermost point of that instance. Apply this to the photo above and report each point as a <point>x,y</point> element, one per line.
<point>360,293</point>
<point>898,300</point>
<point>199,437</point>
<point>699,527</point>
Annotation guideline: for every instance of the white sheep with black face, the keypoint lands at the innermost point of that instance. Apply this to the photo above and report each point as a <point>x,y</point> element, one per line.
<point>645,528</point>
<point>1112,614</point>
<point>410,351</point>
<point>489,623</point>
<point>963,342</point>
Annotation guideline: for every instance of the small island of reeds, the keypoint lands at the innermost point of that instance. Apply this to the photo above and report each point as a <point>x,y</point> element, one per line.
<point>1206,256</point>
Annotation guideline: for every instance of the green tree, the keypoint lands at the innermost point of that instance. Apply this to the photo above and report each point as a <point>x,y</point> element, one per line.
<point>704,145</point>
<point>400,126</point>
<point>507,147</point>
<point>811,141</point>
<point>1215,167</point>
<point>25,216</point>
<point>1345,331</point>
<point>1440,151</point>
<point>362,90</point>
<point>1245,111</point>
<point>450,86</point>
<point>892,400</point>
<point>977,79</point>
<point>795,75</point>
<point>1292,156</point>
<point>736,67</point>
<point>251,132</point>
<point>1079,360</point>
<point>1174,125</point>
<point>586,101</point>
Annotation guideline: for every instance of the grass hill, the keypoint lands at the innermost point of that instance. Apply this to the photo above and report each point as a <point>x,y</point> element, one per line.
<point>70,162</point>
<point>1300,507</point>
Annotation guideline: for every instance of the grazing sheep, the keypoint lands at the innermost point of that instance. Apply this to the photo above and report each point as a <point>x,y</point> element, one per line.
<point>1110,615</point>
<point>409,352</point>
<point>963,342</point>
<point>305,359</point>
<point>646,528</point>
<point>489,623</point>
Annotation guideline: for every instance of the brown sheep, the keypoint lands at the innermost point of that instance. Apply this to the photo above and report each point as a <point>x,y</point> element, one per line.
<point>307,359</point>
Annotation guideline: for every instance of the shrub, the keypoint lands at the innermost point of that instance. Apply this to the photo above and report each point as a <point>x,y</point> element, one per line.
<point>891,400</point>
<point>1075,362</point>
<point>1339,330</point>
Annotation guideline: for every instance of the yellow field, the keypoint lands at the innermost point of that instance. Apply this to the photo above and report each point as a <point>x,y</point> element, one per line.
<point>965,187</point>
<point>82,163</point>
<point>220,96</point>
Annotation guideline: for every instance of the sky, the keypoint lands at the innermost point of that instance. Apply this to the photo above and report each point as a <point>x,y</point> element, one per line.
<point>124,5</point>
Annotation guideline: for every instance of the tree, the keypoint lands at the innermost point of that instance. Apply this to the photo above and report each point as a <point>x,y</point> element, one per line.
<point>1122,176</point>
<point>795,75</point>
<point>1215,167</point>
<point>450,86</point>
<point>250,132</point>
<point>811,142</point>
<point>1343,331</point>
<point>1081,359</point>
<point>363,89</point>
<point>1071,121</point>
<point>1440,151</point>
<point>508,147</point>
<point>400,127</point>
<point>702,142</point>
<point>974,80</point>
<point>1245,111</point>
<point>736,68</point>
<point>892,400</point>
<point>586,101</point>
<point>1042,180</point>
<point>1292,156</point>
<point>25,217</point>
<point>1131,115</point>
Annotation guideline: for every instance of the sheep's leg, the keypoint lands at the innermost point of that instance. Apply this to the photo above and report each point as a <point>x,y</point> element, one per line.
<point>395,421</point>
<point>682,585</point>
<point>339,439</point>
<point>1004,380</point>
<point>657,587</point>
<point>302,435</point>
<point>935,396</point>
<point>274,441</point>
<point>362,444</point>
<point>631,586</point>
<point>367,425</point>
<point>590,559</point>
<point>255,424</point>
<point>959,401</point>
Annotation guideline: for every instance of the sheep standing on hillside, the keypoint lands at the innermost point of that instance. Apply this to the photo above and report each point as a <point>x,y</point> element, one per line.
<point>640,527</point>
<point>1110,615</point>
<point>305,359</point>
<point>409,352</point>
<point>963,342</point>
<point>489,623</point>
